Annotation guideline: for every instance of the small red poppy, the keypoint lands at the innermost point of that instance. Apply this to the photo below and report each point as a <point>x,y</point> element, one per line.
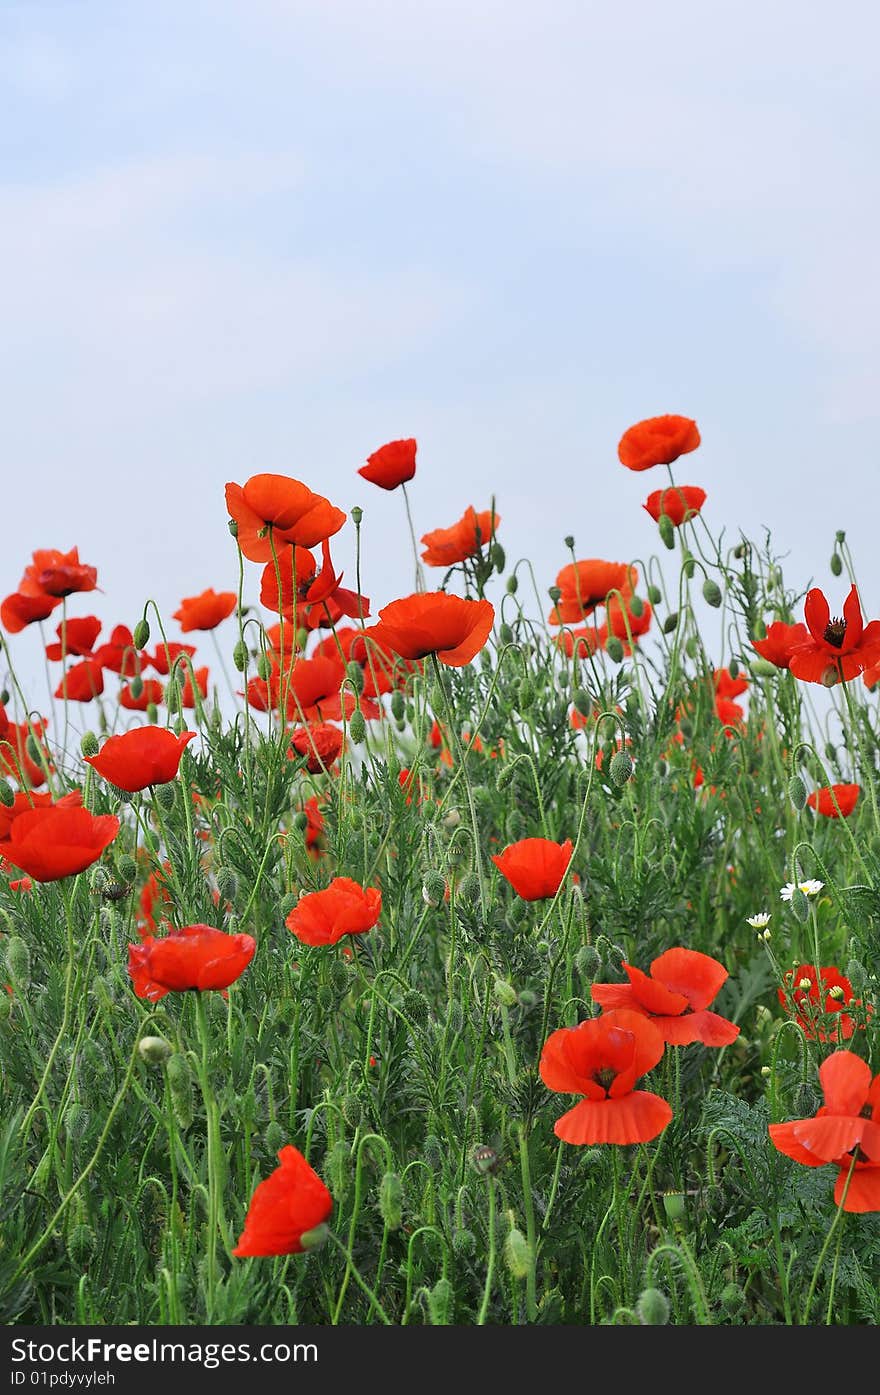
<point>119,653</point>
<point>320,742</point>
<point>726,686</point>
<point>844,1131</point>
<point>657,441</point>
<point>196,957</point>
<point>19,610</point>
<point>837,649</point>
<point>150,692</point>
<point>274,510</point>
<point>801,998</point>
<point>445,547</point>
<point>285,1207</point>
<point>76,639</point>
<point>59,841</point>
<point>206,611</point>
<point>602,1058</point>
<point>676,995</point>
<point>780,641</point>
<point>588,584</point>
<point>834,801</point>
<point>435,622</point>
<point>57,574</point>
<point>534,867</point>
<point>343,908</point>
<point>82,682</point>
<point>142,757</point>
<point>391,465</point>
<point>677,502</point>
<point>163,659</point>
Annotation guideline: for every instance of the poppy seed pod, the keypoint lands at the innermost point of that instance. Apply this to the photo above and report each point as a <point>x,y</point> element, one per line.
<point>356,515</point>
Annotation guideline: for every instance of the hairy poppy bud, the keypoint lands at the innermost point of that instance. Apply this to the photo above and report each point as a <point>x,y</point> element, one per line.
<point>126,867</point>
<point>18,962</point>
<point>240,655</point>
<point>655,595</point>
<point>4,692</point>
<point>165,795</point>
<point>505,633</point>
<point>415,1005</point>
<point>505,993</point>
<point>434,889</point>
<point>355,675</point>
<point>172,695</point>
<point>762,668</point>
<point>797,792</point>
<point>636,606</point>
<point>621,768</point>
<point>712,593</point>
<point>800,905</point>
<point>440,1303</point>
<point>733,1300</point>
<point>614,649</point>
<point>662,768</point>
<point>227,883</point>
<point>154,1050</point>
<point>652,1308</point>
<point>357,727</point>
<point>517,1253</point>
<point>7,796</point>
<point>671,621</point>
<point>759,630</point>
<point>836,564</point>
<point>464,1243</point>
<point>326,997</point>
<point>512,585</point>
<point>675,1206</point>
<point>391,1200</point>
<point>588,962</point>
<point>689,565</point>
<point>264,667</point>
<point>581,699</point>
<point>398,705</point>
<point>499,558</point>
<point>179,1078</point>
<point>666,531</point>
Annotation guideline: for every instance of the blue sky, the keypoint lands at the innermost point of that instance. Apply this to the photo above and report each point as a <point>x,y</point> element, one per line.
<point>271,236</point>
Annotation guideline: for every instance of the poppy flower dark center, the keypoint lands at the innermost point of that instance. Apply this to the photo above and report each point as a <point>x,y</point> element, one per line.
<point>605,1077</point>
<point>835,632</point>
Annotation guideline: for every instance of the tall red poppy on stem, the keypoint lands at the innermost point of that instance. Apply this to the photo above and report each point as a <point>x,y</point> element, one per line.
<point>844,1131</point>
<point>602,1059</point>
<point>320,742</point>
<point>76,638</point>
<point>58,841</point>
<point>59,574</point>
<point>677,502</point>
<point>142,757</point>
<point>391,465</point>
<point>197,957</point>
<point>534,867</point>
<point>434,622</point>
<point>286,1209</point>
<point>657,441</point>
<point>342,908</point>
<point>444,547</point>
<point>837,649</point>
<point>271,511</point>
<point>834,801</point>
<point>18,610</point>
<point>675,996</point>
<point>586,585</point>
<point>206,611</point>
<point>779,642</point>
<point>82,682</point>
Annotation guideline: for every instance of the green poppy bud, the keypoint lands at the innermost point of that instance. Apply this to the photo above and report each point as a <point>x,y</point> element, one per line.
<point>670,623</point>
<point>141,633</point>
<point>712,593</point>
<point>621,767</point>
<point>655,595</point>
<point>440,1299</point>
<point>652,1308</point>
<point>357,727</point>
<point>512,585</point>
<point>517,1253</point>
<point>614,649</point>
<point>154,1050</point>
<point>240,655</point>
<point>391,1200</point>
<point>7,795</point>
<point>797,792</point>
<point>836,564</point>
<point>666,531</point>
<point>18,962</point>
<point>165,795</point>
<point>180,1086</point>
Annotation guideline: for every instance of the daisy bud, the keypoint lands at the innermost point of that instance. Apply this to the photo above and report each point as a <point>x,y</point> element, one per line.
<point>712,593</point>
<point>836,564</point>
<point>391,1200</point>
<point>836,992</point>
<point>483,1159</point>
<point>7,796</point>
<point>621,768</point>
<point>18,963</point>
<point>180,1086</point>
<point>614,649</point>
<point>356,516</point>
<point>357,727</point>
<point>240,655</point>
<point>434,889</point>
<point>652,1307</point>
<point>517,1253</point>
<point>141,633</point>
<point>666,531</point>
<point>655,595</point>
<point>154,1050</point>
<point>165,796</point>
<point>797,792</point>
<point>512,585</point>
<point>671,621</point>
<point>804,984</point>
<point>440,1303</point>
<point>765,1071</point>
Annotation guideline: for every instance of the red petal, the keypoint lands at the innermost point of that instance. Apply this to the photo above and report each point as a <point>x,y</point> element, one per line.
<point>636,1118</point>
<point>845,1080</point>
<point>784,1139</point>
<point>698,977</point>
<point>817,614</point>
<point>863,1192</point>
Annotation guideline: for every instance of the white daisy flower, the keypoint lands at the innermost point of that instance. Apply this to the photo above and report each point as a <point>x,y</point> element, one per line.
<point>759,921</point>
<point>809,888</point>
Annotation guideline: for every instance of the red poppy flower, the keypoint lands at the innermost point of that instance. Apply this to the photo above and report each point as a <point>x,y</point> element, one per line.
<point>444,547</point>
<point>729,713</point>
<point>26,800</point>
<point>187,692</point>
<point>59,841</point>
<point>291,588</point>
<point>586,585</point>
<point>19,610</point>
<point>846,1127</point>
<point>780,641</point>
<point>142,757</point>
<point>622,623</point>
<point>384,669</point>
<point>119,654</point>
<point>274,510</point>
<point>602,1059</point>
<point>82,682</point>
<point>75,638</point>
<point>681,985</point>
<point>726,686</point>
<point>834,801</point>
<point>151,691</point>
<point>801,998</point>
<point>313,693</point>
<point>205,612</point>
<point>838,649</point>
<point>15,759</point>
<point>587,640</point>
<point>391,464</point>
<point>58,574</point>
<point>195,957</point>
<point>435,622</point>
<point>314,825</point>
<point>290,1203</point>
<point>155,889</point>
<point>165,655</point>
<point>677,502</point>
<point>534,867</point>
<point>344,908</point>
<point>320,742</point>
<point>657,441</point>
